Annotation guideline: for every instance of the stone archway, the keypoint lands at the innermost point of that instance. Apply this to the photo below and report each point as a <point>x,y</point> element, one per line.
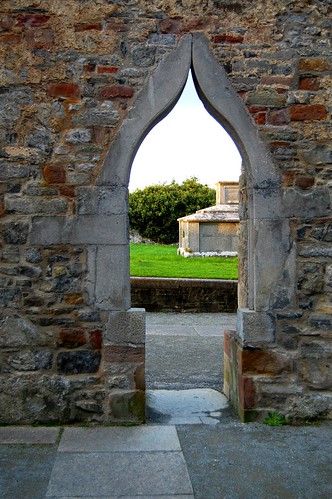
<point>264,231</point>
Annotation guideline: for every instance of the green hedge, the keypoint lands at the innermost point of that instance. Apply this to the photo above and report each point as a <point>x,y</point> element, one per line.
<point>154,210</point>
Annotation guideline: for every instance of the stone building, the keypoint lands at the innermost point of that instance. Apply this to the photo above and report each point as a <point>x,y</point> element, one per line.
<point>82,83</point>
<point>212,231</point>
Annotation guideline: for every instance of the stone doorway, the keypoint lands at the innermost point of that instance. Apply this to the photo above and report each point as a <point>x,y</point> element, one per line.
<point>261,223</point>
<point>184,366</point>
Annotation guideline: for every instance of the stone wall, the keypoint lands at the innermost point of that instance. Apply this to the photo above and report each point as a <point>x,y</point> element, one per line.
<point>184,295</point>
<point>71,74</point>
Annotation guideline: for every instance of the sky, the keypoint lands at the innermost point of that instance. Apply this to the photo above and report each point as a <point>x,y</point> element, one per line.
<point>189,142</point>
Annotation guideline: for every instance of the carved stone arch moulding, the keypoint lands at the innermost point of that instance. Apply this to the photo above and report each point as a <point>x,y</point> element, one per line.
<point>102,219</point>
<point>262,220</point>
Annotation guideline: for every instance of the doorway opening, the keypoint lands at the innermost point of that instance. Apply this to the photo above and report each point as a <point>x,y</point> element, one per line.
<point>261,203</point>
<point>184,351</point>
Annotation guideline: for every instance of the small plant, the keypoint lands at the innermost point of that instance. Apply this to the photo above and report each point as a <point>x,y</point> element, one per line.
<point>275,419</point>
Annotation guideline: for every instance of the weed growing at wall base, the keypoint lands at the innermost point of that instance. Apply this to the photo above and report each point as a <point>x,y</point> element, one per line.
<point>154,260</point>
<point>275,419</point>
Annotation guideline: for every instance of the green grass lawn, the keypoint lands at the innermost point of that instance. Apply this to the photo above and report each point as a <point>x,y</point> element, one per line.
<point>153,260</point>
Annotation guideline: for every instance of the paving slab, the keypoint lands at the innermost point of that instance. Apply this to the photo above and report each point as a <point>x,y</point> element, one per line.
<point>28,435</point>
<point>174,330</point>
<point>120,439</point>
<point>197,406</point>
<point>183,362</point>
<point>176,318</point>
<point>176,496</point>
<point>25,471</point>
<point>133,474</point>
<point>255,461</point>
<point>209,330</point>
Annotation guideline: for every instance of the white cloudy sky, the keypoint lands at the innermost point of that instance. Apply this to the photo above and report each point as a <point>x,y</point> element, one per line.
<point>187,143</point>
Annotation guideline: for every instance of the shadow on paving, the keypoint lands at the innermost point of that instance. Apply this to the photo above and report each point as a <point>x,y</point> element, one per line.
<point>185,351</point>
<point>25,470</point>
<point>254,461</point>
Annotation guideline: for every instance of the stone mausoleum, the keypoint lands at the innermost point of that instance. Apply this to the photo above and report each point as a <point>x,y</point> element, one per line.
<point>212,231</point>
<point>81,84</point>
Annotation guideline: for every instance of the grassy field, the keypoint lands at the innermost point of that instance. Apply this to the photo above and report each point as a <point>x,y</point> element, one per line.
<point>153,260</point>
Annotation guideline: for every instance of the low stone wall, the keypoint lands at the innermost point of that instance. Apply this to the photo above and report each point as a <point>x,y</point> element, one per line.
<point>183,295</point>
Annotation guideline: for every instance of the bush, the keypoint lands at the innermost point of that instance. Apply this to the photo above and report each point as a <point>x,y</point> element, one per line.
<point>154,210</point>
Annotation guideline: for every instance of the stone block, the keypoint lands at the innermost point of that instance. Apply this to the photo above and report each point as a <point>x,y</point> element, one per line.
<point>318,155</point>
<point>85,229</point>
<point>17,331</point>
<point>110,273</point>
<point>316,251</point>
<point>120,439</point>
<point>314,64</point>
<point>78,362</point>
<point>127,327</point>
<point>124,354</point>
<point>259,361</point>
<point>30,398</point>
<point>266,98</point>
<point>310,83</point>
<point>267,202</point>
<point>272,243</point>
<point>255,327</point>
<point>35,360</point>
<point>321,322</point>
<point>309,204</point>
<point>89,315</point>
<point>310,407</point>
<point>153,475</point>
<point>71,338</point>
<point>170,25</point>
<point>307,112</point>
<point>11,171</point>
<point>54,174</point>
<point>103,116</point>
<point>246,392</point>
<point>316,374</point>
<point>11,254</point>
<point>114,91</point>
<point>10,297</point>
<point>102,229</point>
<point>15,232</point>
<point>103,200</point>
<point>96,339</point>
<point>144,56</point>
<point>65,90</point>
<point>33,255</point>
<point>89,404</point>
<point>162,39</point>
<point>315,349</point>
<point>279,117</point>
<point>139,377</point>
<point>78,136</point>
<point>25,206</point>
<point>22,435</point>
<point>127,406</point>
<point>40,38</point>
<point>323,232</point>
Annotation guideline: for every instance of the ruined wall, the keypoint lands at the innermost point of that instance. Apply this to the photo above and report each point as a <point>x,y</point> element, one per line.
<point>70,73</point>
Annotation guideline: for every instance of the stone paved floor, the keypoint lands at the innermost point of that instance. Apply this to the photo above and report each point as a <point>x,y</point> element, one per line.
<point>202,461</point>
<point>185,351</point>
<point>192,447</point>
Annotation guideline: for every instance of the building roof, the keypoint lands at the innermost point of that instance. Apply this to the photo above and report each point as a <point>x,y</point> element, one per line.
<point>220,213</point>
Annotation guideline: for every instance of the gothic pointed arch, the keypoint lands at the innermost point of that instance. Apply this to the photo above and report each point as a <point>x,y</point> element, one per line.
<point>264,231</point>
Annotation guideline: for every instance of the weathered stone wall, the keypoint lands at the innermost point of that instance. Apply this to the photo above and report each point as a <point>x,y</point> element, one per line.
<point>184,295</point>
<point>70,72</point>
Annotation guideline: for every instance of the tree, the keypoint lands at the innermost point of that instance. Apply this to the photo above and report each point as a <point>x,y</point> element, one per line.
<point>154,210</point>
